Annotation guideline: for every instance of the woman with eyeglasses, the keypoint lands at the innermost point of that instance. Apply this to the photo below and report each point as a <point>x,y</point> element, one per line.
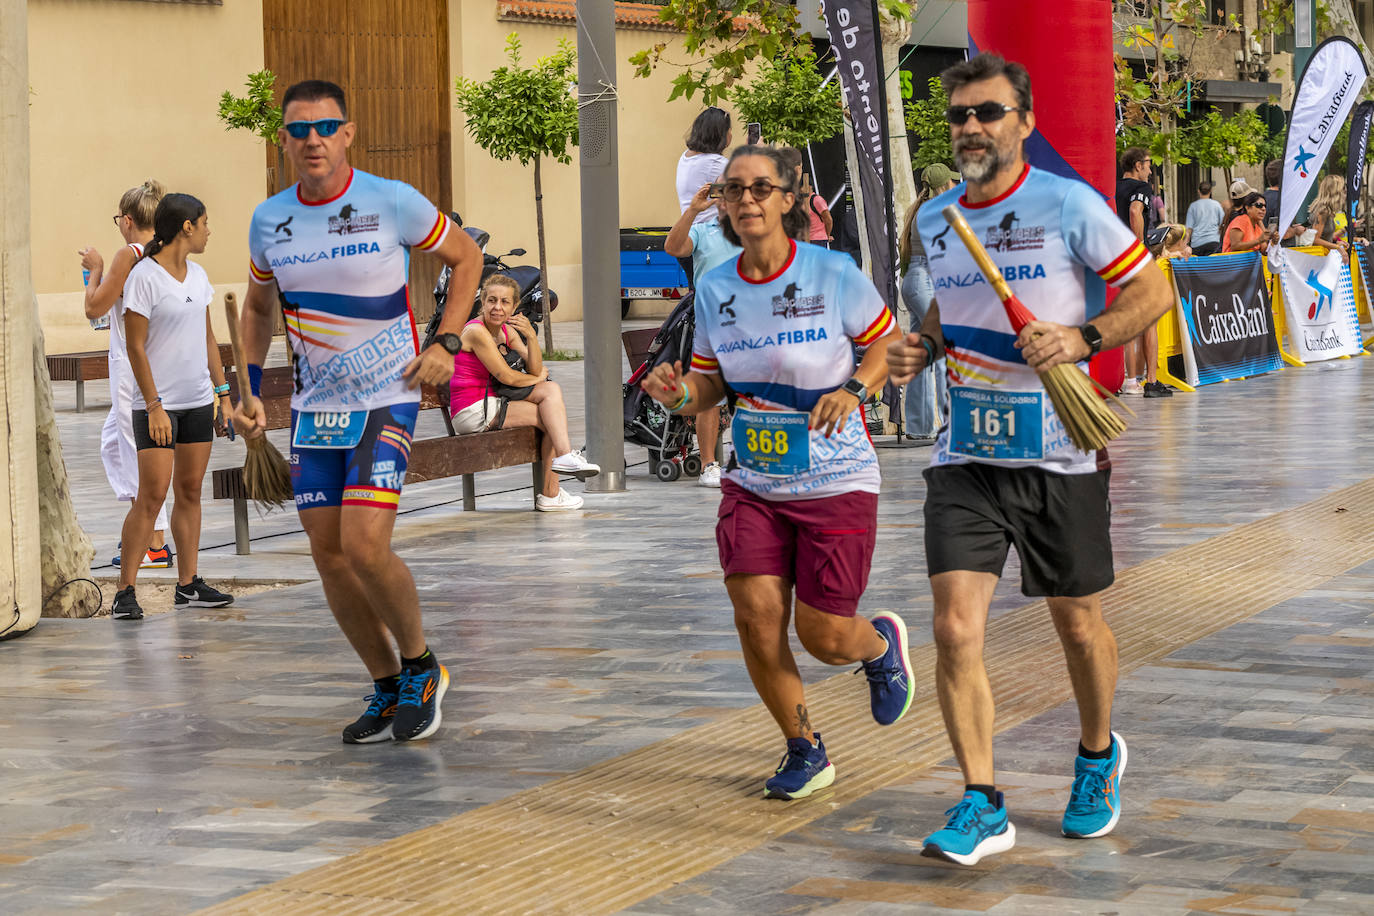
<point>1246,232</point>
<point>776,328</point>
<point>105,308</point>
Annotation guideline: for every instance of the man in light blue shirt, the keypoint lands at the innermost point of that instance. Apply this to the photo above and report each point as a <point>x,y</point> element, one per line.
<point>1204,220</point>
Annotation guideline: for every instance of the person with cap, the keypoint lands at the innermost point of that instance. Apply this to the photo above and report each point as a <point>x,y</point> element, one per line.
<point>1240,189</point>
<point>926,394</point>
<point>1134,200</point>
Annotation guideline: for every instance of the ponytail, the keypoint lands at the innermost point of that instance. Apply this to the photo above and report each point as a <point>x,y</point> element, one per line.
<point>173,212</point>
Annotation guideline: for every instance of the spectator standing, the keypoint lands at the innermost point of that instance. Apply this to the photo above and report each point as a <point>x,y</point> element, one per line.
<point>819,221</point>
<point>927,393</point>
<point>1240,189</point>
<point>1273,171</point>
<point>1325,214</point>
<point>1246,232</point>
<point>1204,220</point>
<point>702,163</point>
<point>1134,200</point>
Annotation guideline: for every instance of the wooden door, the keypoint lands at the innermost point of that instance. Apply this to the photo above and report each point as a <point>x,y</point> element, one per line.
<point>391,58</point>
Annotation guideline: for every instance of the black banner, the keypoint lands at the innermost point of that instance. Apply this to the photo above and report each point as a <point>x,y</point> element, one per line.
<point>853,29</point>
<point>1365,258</point>
<point>1227,318</point>
<point>1354,165</point>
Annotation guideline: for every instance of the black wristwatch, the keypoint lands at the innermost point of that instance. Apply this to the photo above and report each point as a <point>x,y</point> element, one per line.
<point>1093,338</point>
<point>450,342</point>
<point>856,388</point>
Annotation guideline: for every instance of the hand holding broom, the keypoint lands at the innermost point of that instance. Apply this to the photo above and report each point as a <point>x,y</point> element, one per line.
<point>1090,423</point>
<point>266,475</point>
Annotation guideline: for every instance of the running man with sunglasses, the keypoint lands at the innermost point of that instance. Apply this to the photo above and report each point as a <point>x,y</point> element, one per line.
<point>335,248</point>
<point>776,326</point>
<point>1003,470</point>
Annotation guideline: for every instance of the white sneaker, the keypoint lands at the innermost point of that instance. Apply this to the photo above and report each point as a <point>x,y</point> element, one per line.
<point>1132,386</point>
<point>563,502</point>
<point>710,476</point>
<point>576,464</point>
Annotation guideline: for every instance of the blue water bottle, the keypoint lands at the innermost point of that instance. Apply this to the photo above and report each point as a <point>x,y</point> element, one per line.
<point>103,322</point>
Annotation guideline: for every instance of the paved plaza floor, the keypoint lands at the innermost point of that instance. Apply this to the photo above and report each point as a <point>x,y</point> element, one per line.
<point>603,750</point>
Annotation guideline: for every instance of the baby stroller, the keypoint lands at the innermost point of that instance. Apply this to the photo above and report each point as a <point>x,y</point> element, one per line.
<point>670,439</point>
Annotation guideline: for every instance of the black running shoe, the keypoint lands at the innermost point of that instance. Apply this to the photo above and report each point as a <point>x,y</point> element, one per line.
<point>198,594</point>
<point>1158,390</point>
<point>126,606</point>
<point>374,725</point>
<point>417,711</point>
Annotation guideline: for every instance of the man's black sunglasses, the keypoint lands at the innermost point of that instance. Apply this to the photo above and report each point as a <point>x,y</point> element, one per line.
<point>985,113</point>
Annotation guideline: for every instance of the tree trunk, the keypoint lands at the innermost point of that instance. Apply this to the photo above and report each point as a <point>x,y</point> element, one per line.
<point>894,34</point>
<point>1342,16</point>
<point>543,263</point>
<point>65,549</point>
<point>20,579</point>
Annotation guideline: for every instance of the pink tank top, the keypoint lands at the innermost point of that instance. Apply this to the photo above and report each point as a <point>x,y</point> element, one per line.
<point>471,379</point>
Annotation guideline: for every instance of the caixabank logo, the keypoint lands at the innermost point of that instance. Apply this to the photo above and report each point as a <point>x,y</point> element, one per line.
<point>1321,296</point>
<point>1301,160</point>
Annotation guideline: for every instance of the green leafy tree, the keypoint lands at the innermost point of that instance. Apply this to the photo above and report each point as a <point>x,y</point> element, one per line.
<point>259,113</point>
<point>1217,142</point>
<point>925,118</point>
<point>786,96</point>
<point>526,113</point>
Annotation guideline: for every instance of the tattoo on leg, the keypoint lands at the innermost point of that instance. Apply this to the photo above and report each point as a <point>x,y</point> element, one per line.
<point>803,721</point>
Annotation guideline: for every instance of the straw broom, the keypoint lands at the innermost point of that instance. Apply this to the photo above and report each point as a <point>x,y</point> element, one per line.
<point>1090,423</point>
<point>266,475</point>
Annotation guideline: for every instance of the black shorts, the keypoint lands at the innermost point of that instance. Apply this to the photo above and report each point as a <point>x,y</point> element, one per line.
<point>1059,523</point>
<point>194,424</point>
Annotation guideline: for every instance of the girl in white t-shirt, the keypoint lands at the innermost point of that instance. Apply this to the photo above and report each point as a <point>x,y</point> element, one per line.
<point>175,362</point>
<point>104,296</point>
<point>702,162</point>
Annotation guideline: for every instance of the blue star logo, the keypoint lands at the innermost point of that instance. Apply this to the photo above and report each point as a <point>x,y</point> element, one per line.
<point>1300,161</point>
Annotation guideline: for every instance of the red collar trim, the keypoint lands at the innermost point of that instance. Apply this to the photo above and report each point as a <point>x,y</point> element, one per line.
<point>791,256</point>
<point>320,203</point>
<point>964,201</point>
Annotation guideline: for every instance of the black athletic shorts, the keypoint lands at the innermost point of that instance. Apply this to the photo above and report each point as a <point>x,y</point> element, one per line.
<point>1059,523</point>
<point>194,424</point>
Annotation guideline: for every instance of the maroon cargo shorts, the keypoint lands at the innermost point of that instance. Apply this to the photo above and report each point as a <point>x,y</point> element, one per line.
<point>824,546</point>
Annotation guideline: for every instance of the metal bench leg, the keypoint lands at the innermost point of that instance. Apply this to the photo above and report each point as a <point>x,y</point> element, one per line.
<point>80,396</point>
<point>537,470</point>
<point>469,493</point>
<point>241,528</point>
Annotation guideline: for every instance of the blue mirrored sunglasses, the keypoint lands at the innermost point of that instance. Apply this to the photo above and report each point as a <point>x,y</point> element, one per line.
<point>325,127</point>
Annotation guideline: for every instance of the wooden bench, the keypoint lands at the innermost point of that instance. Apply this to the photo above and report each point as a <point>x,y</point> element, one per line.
<point>430,459</point>
<point>95,364</point>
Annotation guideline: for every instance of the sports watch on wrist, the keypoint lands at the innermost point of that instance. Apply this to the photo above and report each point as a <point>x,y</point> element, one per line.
<point>1093,338</point>
<point>450,342</point>
<point>856,388</point>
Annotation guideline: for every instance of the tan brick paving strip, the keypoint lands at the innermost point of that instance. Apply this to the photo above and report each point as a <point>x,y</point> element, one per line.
<point>624,830</point>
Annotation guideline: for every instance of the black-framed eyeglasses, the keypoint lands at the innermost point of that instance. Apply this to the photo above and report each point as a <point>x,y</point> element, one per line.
<point>325,127</point>
<point>117,217</point>
<point>986,113</point>
<point>733,191</point>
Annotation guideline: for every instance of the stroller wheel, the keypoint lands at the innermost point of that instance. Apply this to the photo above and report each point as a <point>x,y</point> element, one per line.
<point>668,471</point>
<point>691,465</point>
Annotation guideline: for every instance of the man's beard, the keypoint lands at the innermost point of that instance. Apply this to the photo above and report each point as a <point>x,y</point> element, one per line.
<point>979,170</point>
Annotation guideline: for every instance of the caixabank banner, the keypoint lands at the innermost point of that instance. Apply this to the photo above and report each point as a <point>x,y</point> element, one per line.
<point>1227,316</point>
<point>1320,304</point>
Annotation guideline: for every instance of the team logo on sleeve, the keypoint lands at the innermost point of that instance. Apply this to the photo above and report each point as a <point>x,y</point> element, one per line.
<point>350,221</point>
<point>792,304</point>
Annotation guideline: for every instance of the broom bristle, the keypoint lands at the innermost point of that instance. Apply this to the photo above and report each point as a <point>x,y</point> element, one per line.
<point>1087,418</point>
<point>266,475</point>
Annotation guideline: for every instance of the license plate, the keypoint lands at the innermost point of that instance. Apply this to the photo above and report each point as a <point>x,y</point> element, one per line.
<point>640,292</point>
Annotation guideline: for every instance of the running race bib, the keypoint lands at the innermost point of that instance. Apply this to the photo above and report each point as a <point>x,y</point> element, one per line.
<point>776,443</point>
<point>995,425</point>
<point>328,429</point>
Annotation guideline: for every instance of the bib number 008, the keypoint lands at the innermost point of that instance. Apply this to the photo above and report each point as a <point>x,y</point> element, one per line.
<point>767,442</point>
<point>989,421</point>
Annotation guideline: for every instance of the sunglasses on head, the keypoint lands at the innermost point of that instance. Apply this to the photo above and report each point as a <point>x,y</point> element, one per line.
<point>985,113</point>
<point>325,127</point>
<point>733,191</point>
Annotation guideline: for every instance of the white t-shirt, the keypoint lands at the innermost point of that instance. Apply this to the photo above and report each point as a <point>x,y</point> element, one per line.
<point>693,171</point>
<point>176,332</point>
<point>119,350</point>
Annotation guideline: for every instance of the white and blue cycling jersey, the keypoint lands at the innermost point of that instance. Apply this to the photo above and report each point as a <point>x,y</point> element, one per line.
<point>1058,244</point>
<point>342,266</point>
<point>782,343</point>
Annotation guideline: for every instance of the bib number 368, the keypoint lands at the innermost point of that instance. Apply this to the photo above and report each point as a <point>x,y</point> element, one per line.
<point>766,442</point>
<point>772,442</point>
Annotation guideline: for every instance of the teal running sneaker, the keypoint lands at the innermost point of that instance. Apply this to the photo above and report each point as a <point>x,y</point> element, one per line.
<point>804,769</point>
<point>1095,800</point>
<point>889,677</point>
<point>977,827</point>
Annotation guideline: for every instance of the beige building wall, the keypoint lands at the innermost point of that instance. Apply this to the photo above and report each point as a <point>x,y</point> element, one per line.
<point>123,91</point>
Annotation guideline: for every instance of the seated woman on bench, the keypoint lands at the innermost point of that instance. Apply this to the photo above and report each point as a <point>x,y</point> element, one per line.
<point>481,367</point>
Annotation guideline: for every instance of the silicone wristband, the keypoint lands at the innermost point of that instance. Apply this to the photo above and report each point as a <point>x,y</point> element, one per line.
<point>255,379</point>
<point>222,389</point>
<point>930,350</point>
<point>682,402</point>
<point>153,403</point>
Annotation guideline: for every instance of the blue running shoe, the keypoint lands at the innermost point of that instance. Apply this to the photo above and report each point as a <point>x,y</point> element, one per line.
<point>418,712</point>
<point>1095,800</point>
<point>889,676</point>
<point>977,827</point>
<point>803,770</point>
<point>375,723</point>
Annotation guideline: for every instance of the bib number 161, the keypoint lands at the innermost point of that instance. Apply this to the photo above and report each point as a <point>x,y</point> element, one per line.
<point>767,442</point>
<point>989,421</point>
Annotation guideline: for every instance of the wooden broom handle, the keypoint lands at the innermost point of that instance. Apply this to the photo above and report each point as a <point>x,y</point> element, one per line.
<point>231,314</point>
<point>975,248</point>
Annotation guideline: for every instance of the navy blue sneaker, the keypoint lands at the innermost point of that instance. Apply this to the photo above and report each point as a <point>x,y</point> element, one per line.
<point>374,724</point>
<point>977,827</point>
<point>889,677</point>
<point>417,708</point>
<point>803,769</point>
<point>1095,800</point>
